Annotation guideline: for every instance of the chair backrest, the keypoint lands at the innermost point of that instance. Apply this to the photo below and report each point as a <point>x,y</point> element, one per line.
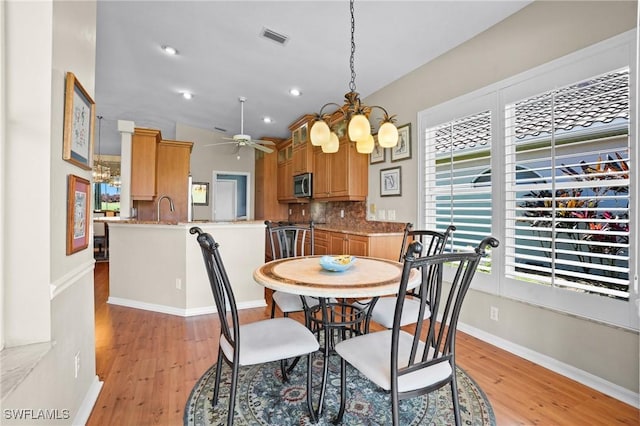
<point>99,229</point>
<point>439,343</point>
<point>433,242</point>
<point>221,288</point>
<point>290,240</point>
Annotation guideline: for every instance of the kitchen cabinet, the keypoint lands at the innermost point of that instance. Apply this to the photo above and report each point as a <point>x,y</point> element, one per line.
<point>172,164</point>
<point>285,173</point>
<point>341,176</point>
<point>302,155</point>
<point>144,144</point>
<point>266,186</point>
<point>381,245</point>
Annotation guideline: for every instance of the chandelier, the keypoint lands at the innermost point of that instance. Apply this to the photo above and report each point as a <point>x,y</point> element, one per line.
<point>101,173</point>
<point>356,114</point>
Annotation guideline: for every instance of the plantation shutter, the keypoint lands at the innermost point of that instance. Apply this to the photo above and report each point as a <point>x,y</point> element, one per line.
<point>567,186</point>
<point>458,180</point>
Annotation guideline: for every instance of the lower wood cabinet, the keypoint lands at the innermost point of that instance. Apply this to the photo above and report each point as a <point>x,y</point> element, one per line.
<point>385,246</point>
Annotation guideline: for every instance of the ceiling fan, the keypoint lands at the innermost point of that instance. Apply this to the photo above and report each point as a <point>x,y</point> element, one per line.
<point>245,140</point>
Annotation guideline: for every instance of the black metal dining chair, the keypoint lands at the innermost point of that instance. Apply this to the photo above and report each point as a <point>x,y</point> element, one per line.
<point>404,363</point>
<point>290,240</point>
<point>254,343</point>
<point>382,309</point>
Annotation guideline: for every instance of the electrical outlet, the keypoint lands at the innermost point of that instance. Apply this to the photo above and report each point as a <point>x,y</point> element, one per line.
<point>76,364</point>
<point>391,214</point>
<point>302,212</point>
<point>289,211</point>
<point>493,313</point>
<point>178,283</point>
<point>382,214</point>
<point>341,213</point>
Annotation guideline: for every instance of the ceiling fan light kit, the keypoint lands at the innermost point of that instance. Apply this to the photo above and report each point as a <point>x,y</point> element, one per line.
<point>242,139</point>
<point>357,115</point>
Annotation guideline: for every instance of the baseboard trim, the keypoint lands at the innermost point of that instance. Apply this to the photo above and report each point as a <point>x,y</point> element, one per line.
<point>181,312</point>
<point>82,416</point>
<point>581,376</point>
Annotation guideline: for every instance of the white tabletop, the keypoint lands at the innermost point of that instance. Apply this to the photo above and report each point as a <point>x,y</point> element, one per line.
<point>368,277</point>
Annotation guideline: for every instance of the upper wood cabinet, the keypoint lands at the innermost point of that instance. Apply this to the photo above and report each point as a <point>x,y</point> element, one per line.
<point>266,186</point>
<point>170,173</point>
<point>144,145</point>
<point>341,176</point>
<point>302,156</point>
<point>285,172</point>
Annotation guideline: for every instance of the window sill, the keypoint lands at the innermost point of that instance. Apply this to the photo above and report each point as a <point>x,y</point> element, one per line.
<point>17,363</point>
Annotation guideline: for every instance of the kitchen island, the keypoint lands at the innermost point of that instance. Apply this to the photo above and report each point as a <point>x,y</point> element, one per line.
<point>159,266</point>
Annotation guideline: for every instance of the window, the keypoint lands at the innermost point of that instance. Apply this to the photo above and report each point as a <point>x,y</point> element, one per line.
<point>107,197</point>
<point>543,162</point>
<point>571,228</point>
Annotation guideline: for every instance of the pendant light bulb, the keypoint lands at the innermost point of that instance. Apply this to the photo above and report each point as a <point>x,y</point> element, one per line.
<point>331,146</point>
<point>359,127</point>
<point>365,146</point>
<point>388,135</point>
<point>320,133</point>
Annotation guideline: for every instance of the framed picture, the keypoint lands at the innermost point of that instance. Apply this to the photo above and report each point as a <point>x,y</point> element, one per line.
<point>402,150</point>
<point>79,122</point>
<point>377,155</point>
<point>200,193</point>
<point>78,217</point>
<point>390,182</point>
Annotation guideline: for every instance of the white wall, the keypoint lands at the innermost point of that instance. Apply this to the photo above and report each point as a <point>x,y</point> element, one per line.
<point>539,33</point>
<point>48,295</point>
<point>206,159</point>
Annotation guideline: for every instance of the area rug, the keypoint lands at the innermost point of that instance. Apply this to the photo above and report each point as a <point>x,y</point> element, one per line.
<point>262,399</point>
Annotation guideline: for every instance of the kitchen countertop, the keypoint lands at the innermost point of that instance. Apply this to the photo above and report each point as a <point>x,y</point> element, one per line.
<point>364,230</point>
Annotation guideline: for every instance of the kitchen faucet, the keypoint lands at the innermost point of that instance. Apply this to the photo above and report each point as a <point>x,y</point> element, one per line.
<point>171,207</point>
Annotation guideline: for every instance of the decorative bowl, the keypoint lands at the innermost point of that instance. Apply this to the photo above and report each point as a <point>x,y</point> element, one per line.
<point>337,263</point>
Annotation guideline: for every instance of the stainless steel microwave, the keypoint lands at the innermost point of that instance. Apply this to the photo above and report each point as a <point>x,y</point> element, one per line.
<point>302,185</point>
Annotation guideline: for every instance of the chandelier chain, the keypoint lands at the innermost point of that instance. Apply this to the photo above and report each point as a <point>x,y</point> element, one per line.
<point>352,83</point>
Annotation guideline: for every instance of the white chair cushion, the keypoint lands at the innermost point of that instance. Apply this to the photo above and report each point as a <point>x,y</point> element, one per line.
<point>271,340</point>
<point>385,309</point>
<point>288,302</point>
<point>371,355</point>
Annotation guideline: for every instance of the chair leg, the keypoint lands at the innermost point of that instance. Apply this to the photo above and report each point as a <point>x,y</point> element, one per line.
<point>454,397</point>
<point>232,393</point>
<point>283,368</point>
<point>216,387</point>
<point>395,407</point>
<point>312,414</point>
<point>343,391</point>
<point>273,309</point>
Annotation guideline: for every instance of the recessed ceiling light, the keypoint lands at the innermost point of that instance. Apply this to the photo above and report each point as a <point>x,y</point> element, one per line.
<point>267,120</point>
<point>295,92</point>
<point>169,50</point>
<point>187,95</point>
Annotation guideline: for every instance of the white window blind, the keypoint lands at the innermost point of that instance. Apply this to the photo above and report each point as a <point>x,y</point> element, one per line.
<point>458,188</point>
<point>567,187</point>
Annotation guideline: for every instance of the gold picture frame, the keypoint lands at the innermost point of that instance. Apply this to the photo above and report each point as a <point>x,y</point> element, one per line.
<point>79,123</point>
<point>78,203</point>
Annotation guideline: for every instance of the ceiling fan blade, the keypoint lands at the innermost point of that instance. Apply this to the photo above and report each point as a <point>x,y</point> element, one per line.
<point>261,148</point>
<point>220,143</point>
<point>263,142</point>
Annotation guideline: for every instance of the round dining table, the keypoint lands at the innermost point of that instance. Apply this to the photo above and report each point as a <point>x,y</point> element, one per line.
<point>368,277</point>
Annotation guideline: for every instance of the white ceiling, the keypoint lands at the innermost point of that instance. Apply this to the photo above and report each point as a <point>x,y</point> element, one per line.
<point>222,56</point>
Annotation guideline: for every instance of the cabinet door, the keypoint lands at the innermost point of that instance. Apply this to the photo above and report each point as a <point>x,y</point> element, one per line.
<point>357,245</point>
<point>337,243</point>
<point>321,244</point>
<point>320,176</point>
<point>143,163</point>
<point>339,170</point>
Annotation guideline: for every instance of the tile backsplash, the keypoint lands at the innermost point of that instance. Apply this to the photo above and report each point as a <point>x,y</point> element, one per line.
<point>352,214</point>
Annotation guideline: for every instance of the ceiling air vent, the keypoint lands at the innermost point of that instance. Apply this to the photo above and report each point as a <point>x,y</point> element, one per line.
<point>220,129</point>
<point>272,35</point>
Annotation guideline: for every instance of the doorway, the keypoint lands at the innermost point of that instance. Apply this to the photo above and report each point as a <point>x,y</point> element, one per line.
<point>230,198</point>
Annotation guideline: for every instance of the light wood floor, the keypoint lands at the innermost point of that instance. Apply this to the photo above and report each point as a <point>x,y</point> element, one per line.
<point>149,363</point>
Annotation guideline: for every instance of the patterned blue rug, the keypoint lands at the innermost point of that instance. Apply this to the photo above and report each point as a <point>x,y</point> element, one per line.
<point>262,399</point>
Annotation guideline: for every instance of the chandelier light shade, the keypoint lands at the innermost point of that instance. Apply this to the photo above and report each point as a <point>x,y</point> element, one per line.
<point>355,113</point>
<point>320,133</point>
<point>359,127</point>
<point>332,146</point>
<point>365,145</point>
<point>388,135</point>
